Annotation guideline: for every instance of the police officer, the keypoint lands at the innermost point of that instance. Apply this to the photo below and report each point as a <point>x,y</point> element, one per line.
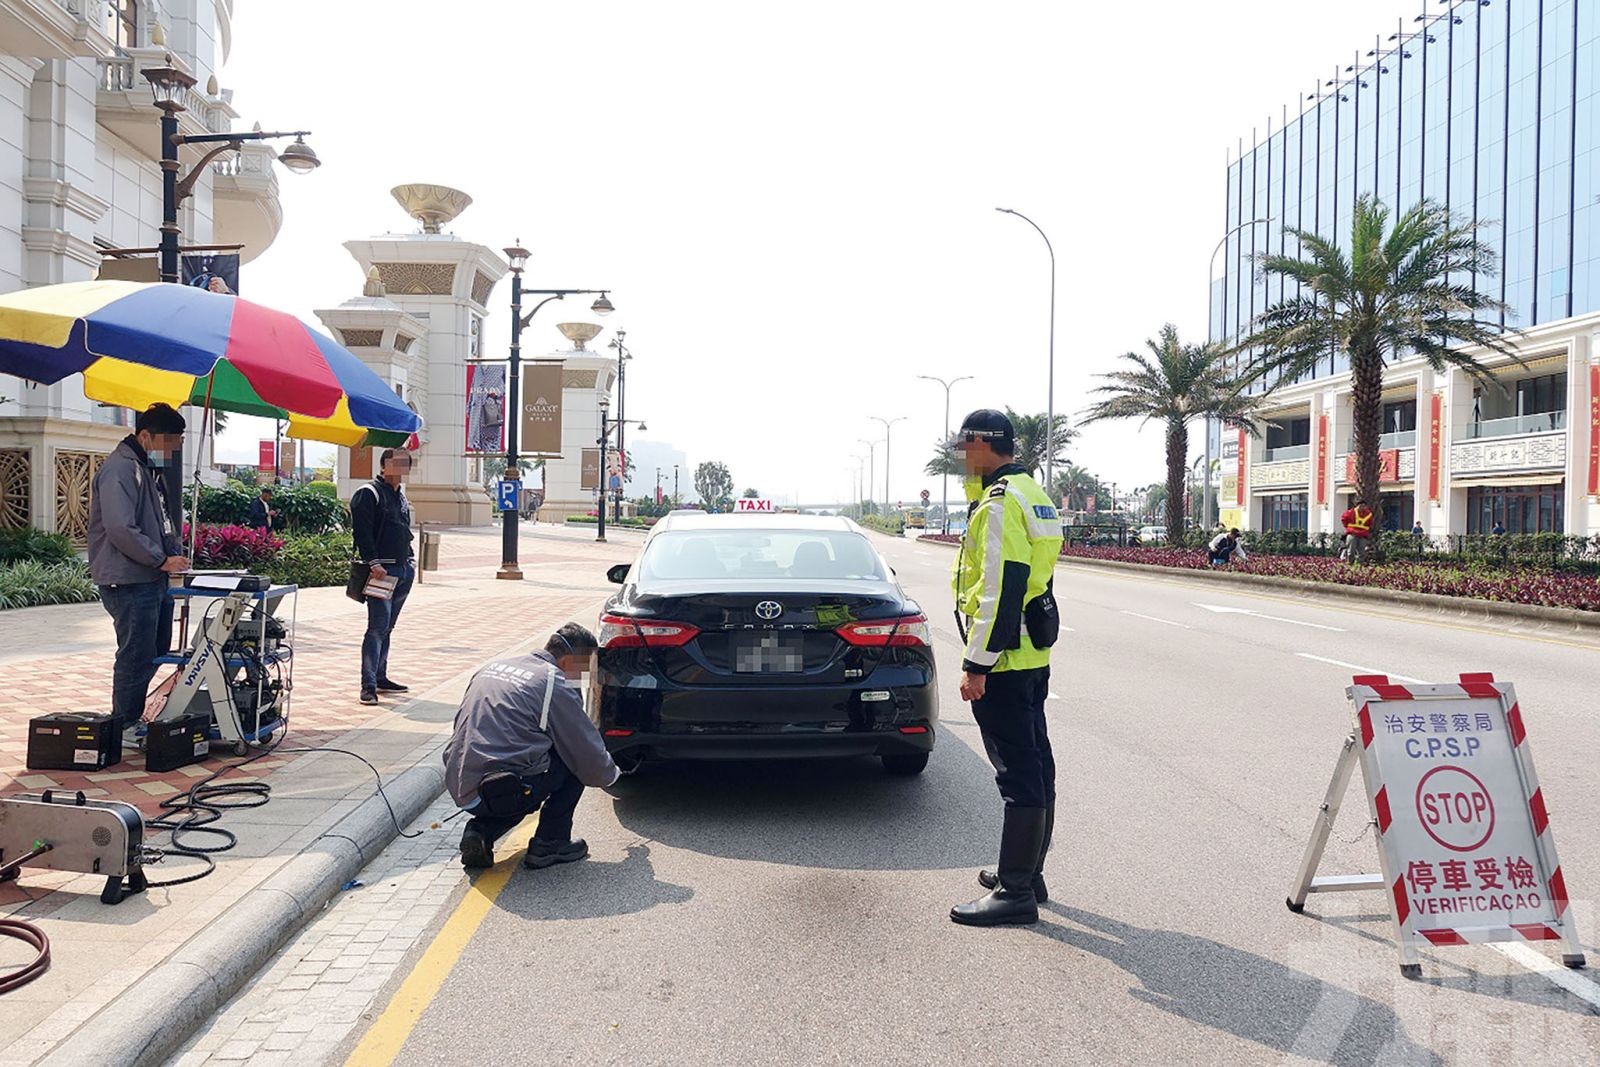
<point>1006,611</point>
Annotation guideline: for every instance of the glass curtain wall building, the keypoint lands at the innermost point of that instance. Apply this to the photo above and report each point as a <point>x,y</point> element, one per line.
<point>1486,106</point>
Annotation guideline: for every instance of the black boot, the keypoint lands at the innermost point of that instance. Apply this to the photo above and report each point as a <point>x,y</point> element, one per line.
<point>990,879</point>
<point>1012,902</point>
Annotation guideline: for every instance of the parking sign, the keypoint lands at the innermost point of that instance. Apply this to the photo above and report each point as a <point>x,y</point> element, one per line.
<point>505,494</point>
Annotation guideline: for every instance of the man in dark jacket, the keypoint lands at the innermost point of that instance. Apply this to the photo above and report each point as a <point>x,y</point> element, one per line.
<point>380,521</point>
<point>262,512</point>
<point>522,743</point>
<point>133,547</point>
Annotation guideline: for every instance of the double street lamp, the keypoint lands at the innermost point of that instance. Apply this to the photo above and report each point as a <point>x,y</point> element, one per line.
<point>167,86</point>
<point>517,256</point>
<point>623,355</point>
<point>887,423</point>
<point>1205,490</point>
<point>605,432</point>
<point>944,482</point>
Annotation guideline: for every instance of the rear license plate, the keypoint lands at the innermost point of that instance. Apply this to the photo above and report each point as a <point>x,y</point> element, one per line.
<point>768,653</point>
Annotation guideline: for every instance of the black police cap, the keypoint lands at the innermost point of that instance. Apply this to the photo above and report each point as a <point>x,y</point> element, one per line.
<point>990,425</point>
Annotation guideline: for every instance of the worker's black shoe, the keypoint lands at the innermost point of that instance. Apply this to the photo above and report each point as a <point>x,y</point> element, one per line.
<point>368,696</point>
<point>990,879</point>
<point>543,854</point>
<point>475,850</point>
<point>1012,902</point>
<point>386,686</point>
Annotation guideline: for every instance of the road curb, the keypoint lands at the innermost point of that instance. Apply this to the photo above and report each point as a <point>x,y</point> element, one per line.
<point>163,1010</point>
<point>1536,616</point>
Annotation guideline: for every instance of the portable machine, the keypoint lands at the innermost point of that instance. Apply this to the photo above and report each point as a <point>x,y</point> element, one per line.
<point>68,832</point>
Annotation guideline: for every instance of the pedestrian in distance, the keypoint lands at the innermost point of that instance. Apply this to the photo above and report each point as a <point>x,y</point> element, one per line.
<point>1499,529</point>
<point>523,743</point>
<point>1417,530</point>
<point>380,521</point>
<point>134,548</point>
<point>1222,547</point>
<point>263,516</point>
<point>1357,522</point>
<point>1008,619</point>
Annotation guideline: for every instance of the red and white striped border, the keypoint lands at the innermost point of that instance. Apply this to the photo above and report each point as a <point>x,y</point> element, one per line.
<point>1369,689</point>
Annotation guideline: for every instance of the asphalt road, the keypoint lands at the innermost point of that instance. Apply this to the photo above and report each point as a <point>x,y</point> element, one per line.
<point>796,913</point>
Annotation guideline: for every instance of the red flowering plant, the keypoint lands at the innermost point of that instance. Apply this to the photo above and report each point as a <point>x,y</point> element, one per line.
<point>233,547</point>
<point>1550,588</point>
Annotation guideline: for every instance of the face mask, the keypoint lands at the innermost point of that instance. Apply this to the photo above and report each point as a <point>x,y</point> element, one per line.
<point>160,460</point>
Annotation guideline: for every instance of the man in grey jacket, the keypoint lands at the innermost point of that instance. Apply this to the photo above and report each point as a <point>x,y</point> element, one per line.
<point>523,743</point>
<point>133,547</point>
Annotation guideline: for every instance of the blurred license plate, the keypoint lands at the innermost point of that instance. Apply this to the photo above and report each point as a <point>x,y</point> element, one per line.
<point>768,653</point>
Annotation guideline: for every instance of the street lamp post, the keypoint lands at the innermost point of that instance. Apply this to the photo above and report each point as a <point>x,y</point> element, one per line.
<point>944,481</point>
<point>886,424</point>
<point>658,487</point>
<point>517,256</point>
<point>674,485</point>
<point>872,459</point>
<point>1205,488</point>
<point>605,432</point>
<point>623,355</point>
<point>167,85</point>
<point>1050,397</point>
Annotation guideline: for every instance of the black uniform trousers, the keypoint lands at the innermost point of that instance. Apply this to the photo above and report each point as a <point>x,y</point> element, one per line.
<point>1010,719</point>
<point>554,794</point>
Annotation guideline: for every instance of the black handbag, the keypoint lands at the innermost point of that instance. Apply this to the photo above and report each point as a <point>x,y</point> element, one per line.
<point>360,570</point>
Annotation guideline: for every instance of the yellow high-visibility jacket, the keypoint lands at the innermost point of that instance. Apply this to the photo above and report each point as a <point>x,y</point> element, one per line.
<point>1007,558</point>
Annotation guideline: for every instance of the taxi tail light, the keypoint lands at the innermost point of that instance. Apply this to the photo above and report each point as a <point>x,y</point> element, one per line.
<point>908,631</point>
<point>619,631</point>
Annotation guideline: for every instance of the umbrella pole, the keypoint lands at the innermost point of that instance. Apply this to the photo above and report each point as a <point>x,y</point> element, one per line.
<point>194,499</point>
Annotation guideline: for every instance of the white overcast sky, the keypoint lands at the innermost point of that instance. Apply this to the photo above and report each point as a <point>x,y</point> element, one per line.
<point>793,204</point>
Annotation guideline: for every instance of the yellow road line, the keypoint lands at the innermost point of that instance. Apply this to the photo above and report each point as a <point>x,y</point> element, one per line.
<point>387,1036</point>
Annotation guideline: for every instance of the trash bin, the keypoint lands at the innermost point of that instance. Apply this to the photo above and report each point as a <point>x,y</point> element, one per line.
<point>430,550</point>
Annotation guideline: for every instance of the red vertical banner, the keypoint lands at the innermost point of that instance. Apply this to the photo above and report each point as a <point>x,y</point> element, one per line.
<point>1435,444</point>
<point>1242,496</point>
<point>1319,471</point>
<point>266,457</point>
<point>1594,429</point>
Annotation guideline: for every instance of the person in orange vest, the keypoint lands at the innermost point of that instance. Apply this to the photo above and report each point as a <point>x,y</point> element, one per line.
<point>1357,531</point>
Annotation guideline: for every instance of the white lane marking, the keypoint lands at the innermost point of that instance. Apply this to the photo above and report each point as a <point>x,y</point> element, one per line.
<point>1583,988</point>
<point>1360,669</point>
<point>1222,610</point>
<point>1068,630</point>
<point>1152,618</point>
<point>1055,696</point>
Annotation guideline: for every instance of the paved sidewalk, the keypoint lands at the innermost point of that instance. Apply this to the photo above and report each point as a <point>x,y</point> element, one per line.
<point>59,659</point>
<point>325,983</point>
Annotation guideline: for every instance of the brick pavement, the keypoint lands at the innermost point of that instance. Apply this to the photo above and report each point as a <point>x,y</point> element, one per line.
<point>325,983</point>
<point>453,618</point>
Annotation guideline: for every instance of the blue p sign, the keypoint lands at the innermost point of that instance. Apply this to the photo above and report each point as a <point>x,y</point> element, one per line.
<point>506,494</point>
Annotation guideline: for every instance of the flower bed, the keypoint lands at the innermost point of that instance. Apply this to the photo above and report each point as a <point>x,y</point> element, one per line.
<point>1551,589</point>
<point>1524,586</point>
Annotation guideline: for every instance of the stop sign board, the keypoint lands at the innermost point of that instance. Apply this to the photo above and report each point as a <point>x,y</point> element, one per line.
<point>1463,830</point>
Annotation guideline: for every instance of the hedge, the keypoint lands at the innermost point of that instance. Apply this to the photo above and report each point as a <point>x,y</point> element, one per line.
<point>27,544</point>
<point>30,583</point>
<point>304,509</point>
<point>591,520</point>
<point>893,524</point>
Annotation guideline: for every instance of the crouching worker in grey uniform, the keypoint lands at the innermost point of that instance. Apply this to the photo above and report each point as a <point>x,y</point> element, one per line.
<point>522,743</point>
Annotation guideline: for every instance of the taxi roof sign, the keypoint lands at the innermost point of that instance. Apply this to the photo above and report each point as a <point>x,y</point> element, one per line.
<point>1463,831</point>
<point>752,503</point>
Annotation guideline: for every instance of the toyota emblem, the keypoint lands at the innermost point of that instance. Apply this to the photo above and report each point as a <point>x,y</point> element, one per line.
<point>769,609</point>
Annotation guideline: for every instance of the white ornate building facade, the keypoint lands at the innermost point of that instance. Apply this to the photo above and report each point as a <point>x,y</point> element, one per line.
<point>79,174</point>
<point>1456,457</point>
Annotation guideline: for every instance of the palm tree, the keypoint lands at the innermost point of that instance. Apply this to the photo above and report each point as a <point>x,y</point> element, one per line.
<point>1180,383</point>
<point>945,460</point>
<point>1401,290</point>
<point>1029,434</point>
<point>1075,485</point>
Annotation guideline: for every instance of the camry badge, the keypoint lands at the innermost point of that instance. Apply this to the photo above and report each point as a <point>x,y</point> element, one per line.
<point>769,609</point>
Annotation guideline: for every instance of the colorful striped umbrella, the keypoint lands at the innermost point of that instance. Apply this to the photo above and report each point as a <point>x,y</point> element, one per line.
<point>139,343</point>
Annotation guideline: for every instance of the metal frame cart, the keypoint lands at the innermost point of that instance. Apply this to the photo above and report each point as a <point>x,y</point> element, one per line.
<point>239,664</point>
